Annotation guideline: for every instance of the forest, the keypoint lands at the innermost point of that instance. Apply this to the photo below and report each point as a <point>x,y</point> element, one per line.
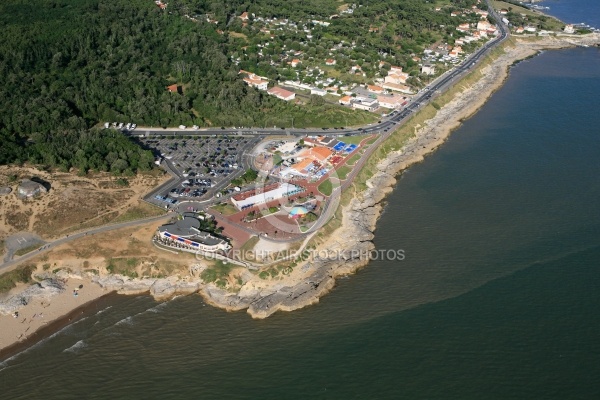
<point>66,66</point>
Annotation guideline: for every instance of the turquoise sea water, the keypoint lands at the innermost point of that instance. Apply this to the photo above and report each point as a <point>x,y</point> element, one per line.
<point>497,297</point>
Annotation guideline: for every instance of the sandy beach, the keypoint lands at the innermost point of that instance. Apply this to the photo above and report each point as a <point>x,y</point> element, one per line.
<point>40,312</point>
<point>315,278</point>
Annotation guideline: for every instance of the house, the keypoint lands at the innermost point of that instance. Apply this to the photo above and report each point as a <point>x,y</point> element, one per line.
<point>569,29</point>
<point>391,101</point>
<point>428,69</point>
<point>244,16</point>
<point>294,63</point>
<point>397,87</point>
<point>482,14</point>
<point>318,92</point>
<point>160,4</point>
<point>330,61</point>
<point>366,104</point>
<point>503,11</point>
<point>256,81</point>
<point>375,88</point>
<point>396,76</point>
<point>531,29</point>
<point>463,27</point>
<point>355,69</point>
<point>520,30</point>
<point>454,14</point>
<point>345,101</point>
<point>174,88</point>
<point>485,26</point>
<point>456,51</point>
<point>281,93</point>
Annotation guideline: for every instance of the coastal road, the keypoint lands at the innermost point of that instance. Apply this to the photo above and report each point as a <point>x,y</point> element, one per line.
<point>6,266</point>
<point>440,85</point>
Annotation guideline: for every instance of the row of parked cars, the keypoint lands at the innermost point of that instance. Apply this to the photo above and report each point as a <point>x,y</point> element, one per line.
<point>186,192</point>
<point>120,126</point>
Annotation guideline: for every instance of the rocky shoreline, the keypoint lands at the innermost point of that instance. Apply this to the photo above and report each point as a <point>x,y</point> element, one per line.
<point>361,215</point>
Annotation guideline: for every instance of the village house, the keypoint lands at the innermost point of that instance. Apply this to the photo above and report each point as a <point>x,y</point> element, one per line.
<point>569,29</point>
<point>391,102</point>
<point>397,87</point>
<point>375,89</point>
<point>281,93</point>
<point>396,76</point>
<point>345,101</point>
<point>428,69</point>
<point>485,26</point>
<point>456,51</point>
<point>463,27</point>
<point>294,63</point>
<point>330,61</point>
<point>365,104</point>
<point>254,80</point>
<point>174,88</point>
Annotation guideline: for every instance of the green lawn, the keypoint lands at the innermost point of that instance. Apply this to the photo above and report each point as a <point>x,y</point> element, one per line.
<point>326,187</point>
<point>354,139</point>
<point>353,160</point>
<point>343,171</point>
<point>225,208</point>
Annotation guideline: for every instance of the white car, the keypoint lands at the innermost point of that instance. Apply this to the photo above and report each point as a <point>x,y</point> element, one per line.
<point>133,126</point>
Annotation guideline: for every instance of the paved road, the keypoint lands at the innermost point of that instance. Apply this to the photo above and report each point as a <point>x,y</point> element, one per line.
<point>106,228</point>
<point>440,85</point>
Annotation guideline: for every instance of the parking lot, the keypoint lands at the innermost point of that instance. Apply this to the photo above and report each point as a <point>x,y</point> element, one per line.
<point>204,164</point>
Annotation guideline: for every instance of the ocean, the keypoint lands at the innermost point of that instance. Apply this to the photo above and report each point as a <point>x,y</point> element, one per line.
<point>497,297</point>
<point>574,11</point>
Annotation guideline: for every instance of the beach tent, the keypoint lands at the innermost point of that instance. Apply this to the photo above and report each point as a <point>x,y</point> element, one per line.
<point>298,212</point>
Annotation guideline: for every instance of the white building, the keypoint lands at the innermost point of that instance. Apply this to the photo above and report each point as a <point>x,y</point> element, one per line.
<point>428,69</point>
<point>366,104</point>
<point>253,198</point>
<point>186,232</point>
